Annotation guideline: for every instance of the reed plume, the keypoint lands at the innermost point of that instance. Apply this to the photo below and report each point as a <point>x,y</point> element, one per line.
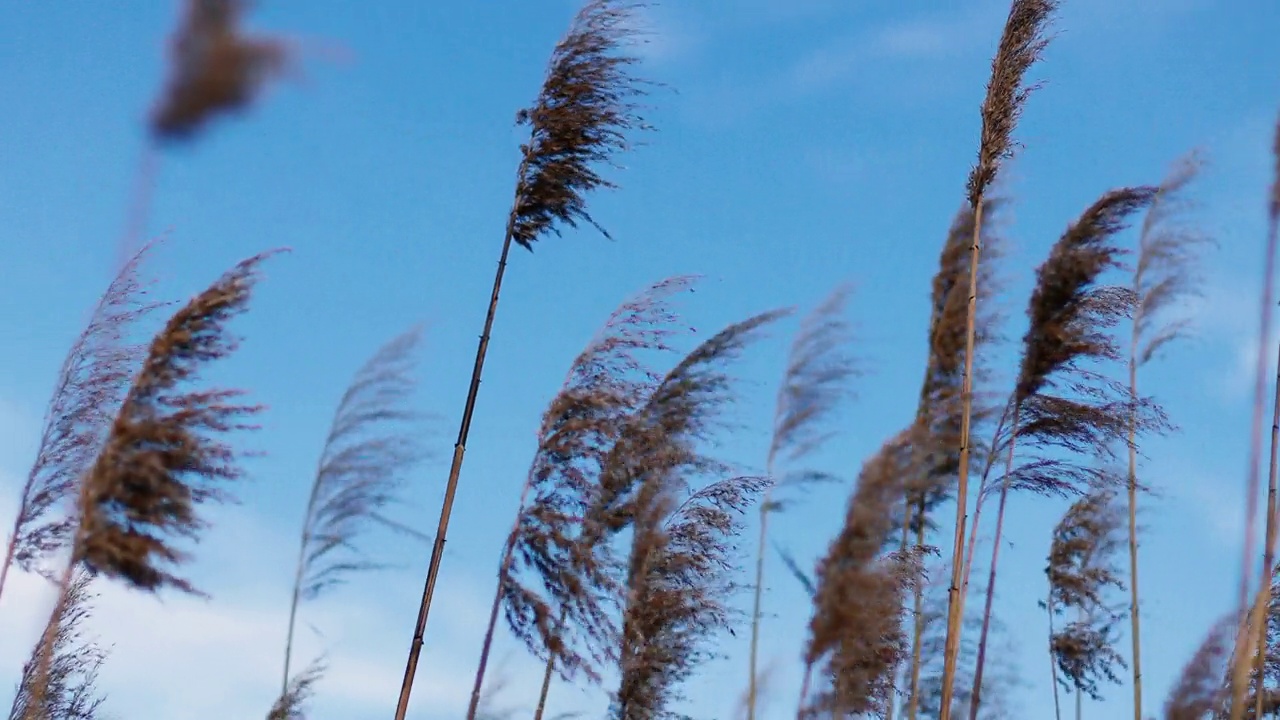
<point>215,68</point>
<point>561,585</point>
<point>935,437</point>
<point>815,382</point>
<point>298,691</point>
<point>370,448</point>
<point>163,457</point>
<point>1058,402</point>
<point>581,118</point>
<point>71,659</point>
<point>1200,690</point>
<point>679,583</point>
<point>1241,660</point>
<point>1082,572</point>
<point>91,384</point>
<point>606,383</point>
<point>1165,274</point>
<point>1021,44</point>
<point>855,635</point>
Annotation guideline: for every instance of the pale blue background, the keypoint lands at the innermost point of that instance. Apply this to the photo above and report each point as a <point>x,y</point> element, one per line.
<point>810,142</point>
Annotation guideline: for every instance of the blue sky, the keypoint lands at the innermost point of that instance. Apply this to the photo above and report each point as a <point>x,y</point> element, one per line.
<point>805,143</point>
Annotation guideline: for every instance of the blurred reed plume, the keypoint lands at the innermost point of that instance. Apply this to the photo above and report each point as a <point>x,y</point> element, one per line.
<point>67,689</point>
<point>581,118</point>
<point>1082,572</point>
<point>607,383</point>
<point>91,385</point>
<point>371,446</point>
<point>856,641</point>
<point>1166,274</point>
<point>215,68</point>
<point>814,384</point>
<point>1021,44</point>
<point>1241,661</point>
<point>163,457</point>
<point>298,691</point>
<point>1200,690</point>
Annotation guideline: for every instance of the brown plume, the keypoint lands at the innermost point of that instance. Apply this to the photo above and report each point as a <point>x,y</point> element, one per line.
<point>581,118</point>
<point>679,584</point>
<point>215,68</point>
<point>91,385</point>
<point>1082,573</point>
<point>607,382</point>
<point>163,457</point>
<point>1200,690</point>
<point>69,690</point>
<point>1021,45</point>
<point>855,636</point>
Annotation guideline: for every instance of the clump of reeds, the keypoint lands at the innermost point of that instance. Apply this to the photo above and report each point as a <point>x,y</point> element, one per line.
<point>370,447</point>
<point>855,636</point>
<point>67,689</point>
<point>564,546</point>
<point>1082,573</point>
<point>1021,44</point>
<point>215,68</point>
<point>606,383</point>
<point>90,387</point>
<point>814,384</point>
<point>581,118</point>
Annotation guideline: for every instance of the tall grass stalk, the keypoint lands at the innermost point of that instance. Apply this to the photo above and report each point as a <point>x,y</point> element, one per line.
<point>581,118</point>
<point>1020,45</point>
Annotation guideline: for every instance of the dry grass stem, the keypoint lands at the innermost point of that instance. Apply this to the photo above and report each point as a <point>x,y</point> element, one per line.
<point>581,118</point>
<point>1021,44</point>
<point>215,68</point>
<point>1165,274</point>
<point>163,457</point>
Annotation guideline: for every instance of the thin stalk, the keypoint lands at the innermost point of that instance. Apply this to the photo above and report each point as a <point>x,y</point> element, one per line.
<point>1244,638</point>
<point>546,688</point>
<point>1268,556</point>
<point>755,612</point>
<point>913,700</point>
<point>487,646</point>
<point>955,602</point>
<point>1135,632</point>
<point>455,470</point>
<point>804,688</point>
<point>991,573</point>
<point>1079,704</point>
<point>293,615</point>
<point>1053,663</point>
